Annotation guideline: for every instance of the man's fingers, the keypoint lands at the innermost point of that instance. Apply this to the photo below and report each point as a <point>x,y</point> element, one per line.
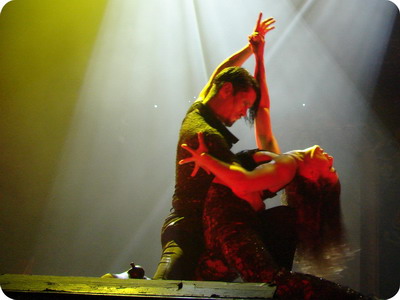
<point>187,148</point>
<point>200,137</point>
<point>202,148</point>
<point>202,143</point>
<point>195,170</point>
<point>185,161</point>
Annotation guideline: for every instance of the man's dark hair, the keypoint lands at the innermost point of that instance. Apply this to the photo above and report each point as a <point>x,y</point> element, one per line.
<point>241,81</point>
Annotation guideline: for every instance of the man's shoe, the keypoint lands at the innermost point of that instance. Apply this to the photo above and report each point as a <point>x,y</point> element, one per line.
<point>123,275</point>
<point>135,272</point>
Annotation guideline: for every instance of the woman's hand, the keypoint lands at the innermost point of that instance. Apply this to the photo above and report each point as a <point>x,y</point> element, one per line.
<point>257,38</point>
<point>264,26</point>
<point>196,155</point>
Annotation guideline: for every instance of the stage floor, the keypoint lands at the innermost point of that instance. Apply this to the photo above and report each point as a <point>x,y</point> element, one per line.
<point>60,287</point>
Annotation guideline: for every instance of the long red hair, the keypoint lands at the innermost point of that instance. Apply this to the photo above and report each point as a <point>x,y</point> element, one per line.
<point>322,247</point>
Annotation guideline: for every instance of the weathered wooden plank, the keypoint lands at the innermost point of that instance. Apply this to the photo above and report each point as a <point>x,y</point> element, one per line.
<point>134,287</point>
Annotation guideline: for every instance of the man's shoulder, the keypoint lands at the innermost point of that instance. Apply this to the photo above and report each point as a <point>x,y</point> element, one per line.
<point>195,122</point>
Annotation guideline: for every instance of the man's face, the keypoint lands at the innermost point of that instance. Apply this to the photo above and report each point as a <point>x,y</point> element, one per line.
<point>238,105</point>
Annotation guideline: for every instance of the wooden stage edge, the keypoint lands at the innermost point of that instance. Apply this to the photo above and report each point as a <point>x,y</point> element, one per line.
<point>17,286</point>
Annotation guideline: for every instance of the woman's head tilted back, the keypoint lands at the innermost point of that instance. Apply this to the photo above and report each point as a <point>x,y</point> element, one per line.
<point>315,164</point>
<point>315,194</point>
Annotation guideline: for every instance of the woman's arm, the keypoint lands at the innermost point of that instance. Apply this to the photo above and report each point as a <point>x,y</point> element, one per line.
<point>236,59</point>
<point>265,138</point>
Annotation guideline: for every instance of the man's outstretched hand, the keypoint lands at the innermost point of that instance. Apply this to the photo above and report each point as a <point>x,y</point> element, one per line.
<point>196,154</point>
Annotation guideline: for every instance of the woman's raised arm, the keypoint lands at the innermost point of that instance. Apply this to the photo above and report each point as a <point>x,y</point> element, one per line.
<point>265,138</point>
<point>236,59</point>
